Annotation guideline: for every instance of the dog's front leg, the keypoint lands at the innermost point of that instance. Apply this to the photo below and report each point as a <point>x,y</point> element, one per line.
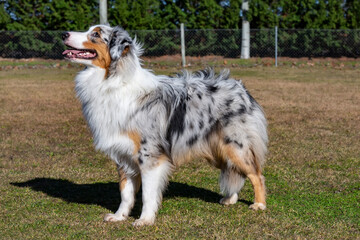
<point>129,185</point>
<point>154,180</point>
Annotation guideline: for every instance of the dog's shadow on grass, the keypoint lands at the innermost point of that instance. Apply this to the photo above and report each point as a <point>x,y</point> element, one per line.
<point>107,194</point>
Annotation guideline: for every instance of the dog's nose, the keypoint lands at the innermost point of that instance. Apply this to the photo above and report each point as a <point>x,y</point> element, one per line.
<point>65,35</point>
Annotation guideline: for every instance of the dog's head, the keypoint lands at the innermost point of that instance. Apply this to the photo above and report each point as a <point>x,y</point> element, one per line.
<point>100,46</point>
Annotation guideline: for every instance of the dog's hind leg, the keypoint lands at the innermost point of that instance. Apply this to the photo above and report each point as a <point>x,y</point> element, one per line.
<point>129,185</point>
<point>154,176</point>
<point>231,182</point>
<point>245,162</point>
<point>258,182</point>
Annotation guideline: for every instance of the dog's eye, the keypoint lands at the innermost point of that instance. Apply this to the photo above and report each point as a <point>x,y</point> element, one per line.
<point>95,34</point>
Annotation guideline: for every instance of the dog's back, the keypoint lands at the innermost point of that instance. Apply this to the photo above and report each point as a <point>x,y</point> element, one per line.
<point>203,104</point>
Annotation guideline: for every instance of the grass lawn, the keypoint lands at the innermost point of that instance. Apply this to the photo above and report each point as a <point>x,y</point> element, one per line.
<point>54,185</point>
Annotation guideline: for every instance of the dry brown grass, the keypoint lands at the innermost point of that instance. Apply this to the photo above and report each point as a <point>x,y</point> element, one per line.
<point>54,185</point>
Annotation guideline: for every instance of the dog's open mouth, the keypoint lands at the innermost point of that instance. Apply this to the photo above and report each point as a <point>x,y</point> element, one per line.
<point>79,53</point>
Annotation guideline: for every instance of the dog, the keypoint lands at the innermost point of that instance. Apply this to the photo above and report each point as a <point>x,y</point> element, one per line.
<point>148,125</point>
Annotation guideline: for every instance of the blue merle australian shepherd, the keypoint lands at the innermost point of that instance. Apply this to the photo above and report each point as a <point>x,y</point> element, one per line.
<point>148,125</point>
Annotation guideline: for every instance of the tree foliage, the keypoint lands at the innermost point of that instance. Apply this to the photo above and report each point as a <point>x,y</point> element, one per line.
<point>48,14</point>
<point>168,14</point>
<point>23,20</point>
<point>352,14</point>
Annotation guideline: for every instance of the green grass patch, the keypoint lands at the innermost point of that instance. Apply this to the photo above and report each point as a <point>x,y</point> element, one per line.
<point>53,185</point>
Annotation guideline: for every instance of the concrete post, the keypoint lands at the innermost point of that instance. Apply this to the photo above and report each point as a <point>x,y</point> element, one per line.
<point>182,33</point>
<point>103,11</point>
<point>245,39</point>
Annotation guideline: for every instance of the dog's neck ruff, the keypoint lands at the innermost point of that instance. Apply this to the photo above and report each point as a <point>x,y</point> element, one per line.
<point>109,103</point>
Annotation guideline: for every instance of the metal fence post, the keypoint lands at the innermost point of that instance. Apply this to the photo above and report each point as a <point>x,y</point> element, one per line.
<point>182,45</point>
<point>276,45</point>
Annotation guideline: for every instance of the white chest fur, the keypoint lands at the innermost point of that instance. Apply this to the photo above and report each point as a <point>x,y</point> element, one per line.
<point>107,106</point>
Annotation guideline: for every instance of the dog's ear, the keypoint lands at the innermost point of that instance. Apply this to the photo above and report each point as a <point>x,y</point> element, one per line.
<point>120,43</point>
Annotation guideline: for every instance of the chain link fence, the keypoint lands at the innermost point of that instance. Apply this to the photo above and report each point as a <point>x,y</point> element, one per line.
<point>227,43</point>
<point>31,44</point>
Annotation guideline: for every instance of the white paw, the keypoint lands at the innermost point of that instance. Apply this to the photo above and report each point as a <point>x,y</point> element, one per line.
<point>229,200</point>
<point>110,217</point>
<point>143,222</point>
<point>258,206</point>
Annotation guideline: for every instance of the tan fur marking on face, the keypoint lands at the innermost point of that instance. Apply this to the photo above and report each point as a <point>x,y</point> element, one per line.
<point>103,58</point>
<point>98,30</point>
<point>136,138</point>
<point>126,50</point>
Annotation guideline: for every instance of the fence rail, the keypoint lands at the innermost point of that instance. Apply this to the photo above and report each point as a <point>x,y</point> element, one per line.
<point>223,42</point>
